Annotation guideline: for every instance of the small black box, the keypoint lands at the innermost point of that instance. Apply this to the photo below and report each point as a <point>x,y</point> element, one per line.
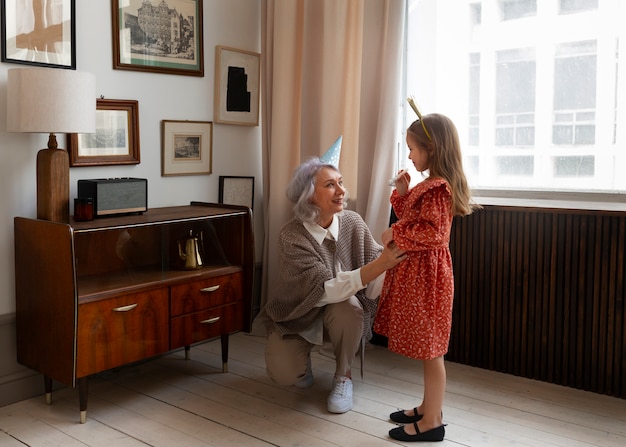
<point>115,195</point>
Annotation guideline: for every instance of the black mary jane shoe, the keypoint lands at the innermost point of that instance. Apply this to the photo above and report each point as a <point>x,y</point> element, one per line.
<point>401,418</point>
<point>434,435</point>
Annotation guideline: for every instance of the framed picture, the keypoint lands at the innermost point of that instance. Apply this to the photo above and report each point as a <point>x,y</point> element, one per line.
<point>237,191</point>
<point>158,36</point>
<point>116,141</point>
<point>237,83</point>
<point>36,35</point>
<point>187,147</point>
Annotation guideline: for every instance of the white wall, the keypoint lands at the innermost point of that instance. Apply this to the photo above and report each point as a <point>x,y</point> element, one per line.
<point>236,149</point>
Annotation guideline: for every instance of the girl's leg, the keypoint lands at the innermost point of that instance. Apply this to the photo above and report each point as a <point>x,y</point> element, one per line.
<point>434,390</point>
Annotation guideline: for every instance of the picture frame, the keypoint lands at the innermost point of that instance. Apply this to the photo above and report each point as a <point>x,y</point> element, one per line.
<point>150,48</point>
<point>237,83</point>
<point>116,141</point>
<point>186,147</point>
<point>24,41</point>
<point>236,190</point>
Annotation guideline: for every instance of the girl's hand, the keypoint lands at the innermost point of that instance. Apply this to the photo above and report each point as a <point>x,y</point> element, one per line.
<point>402,183</point>
<point>387,237</point>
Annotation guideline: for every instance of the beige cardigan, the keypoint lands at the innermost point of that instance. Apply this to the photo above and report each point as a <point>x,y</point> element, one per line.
<point>305,266</point>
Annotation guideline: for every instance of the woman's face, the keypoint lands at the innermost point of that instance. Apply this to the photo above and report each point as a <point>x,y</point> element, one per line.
<point>418,154</point>
<point>328,194</point>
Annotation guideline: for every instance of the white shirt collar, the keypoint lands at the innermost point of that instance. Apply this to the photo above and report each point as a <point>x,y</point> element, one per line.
<point>319,233</point>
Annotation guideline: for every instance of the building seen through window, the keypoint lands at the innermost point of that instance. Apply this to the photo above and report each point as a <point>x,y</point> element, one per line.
<point>536,88</point>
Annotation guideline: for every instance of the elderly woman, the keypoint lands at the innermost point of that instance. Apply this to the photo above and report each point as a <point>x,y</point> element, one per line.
<point>327,259</point>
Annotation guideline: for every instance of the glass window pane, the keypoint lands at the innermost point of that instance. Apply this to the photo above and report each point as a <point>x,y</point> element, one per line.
<point>562,134</point>
<point>504,136</point>
<point>515,9</point>
<point>568,6</point>
<point>575,82</point>
<point>515,165</point>
<point>585,134</point>
<point>582,166</point>
<point>525,136</point>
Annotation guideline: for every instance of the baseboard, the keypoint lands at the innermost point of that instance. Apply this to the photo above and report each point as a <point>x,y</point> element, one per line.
<point>16,382</point>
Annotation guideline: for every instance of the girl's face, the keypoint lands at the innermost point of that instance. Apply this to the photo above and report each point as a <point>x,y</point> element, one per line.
<point>418,154</point>
<point>328,194</point>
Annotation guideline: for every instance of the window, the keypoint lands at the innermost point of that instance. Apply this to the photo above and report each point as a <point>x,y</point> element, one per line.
<point>569,6</point>
<point>536,89</point>
<point>515,9</point>
<point>575,72</point>
<point>515,98</point>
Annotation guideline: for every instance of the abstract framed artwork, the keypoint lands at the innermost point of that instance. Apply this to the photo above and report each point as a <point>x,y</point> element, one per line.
<point>236,190</point>
<point>186,147</point>
<point>237,83</point>
<point>159,36</point>
<point>39,33</point>
<point>116,141</point>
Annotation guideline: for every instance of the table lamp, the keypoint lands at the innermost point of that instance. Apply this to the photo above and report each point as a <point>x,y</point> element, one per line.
<point>47,100</point>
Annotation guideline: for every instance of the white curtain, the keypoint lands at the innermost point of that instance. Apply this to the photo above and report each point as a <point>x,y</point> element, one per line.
<point>329,68</point>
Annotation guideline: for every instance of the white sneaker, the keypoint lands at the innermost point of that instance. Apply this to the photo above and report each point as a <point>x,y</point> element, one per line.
<point>307,379</point>
<point>340,398</point>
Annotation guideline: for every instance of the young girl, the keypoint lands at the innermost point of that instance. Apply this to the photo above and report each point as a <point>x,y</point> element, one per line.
<point>415,309</point>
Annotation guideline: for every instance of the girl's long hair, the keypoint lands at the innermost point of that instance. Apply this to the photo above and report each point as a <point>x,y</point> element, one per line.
<point>445,158</point>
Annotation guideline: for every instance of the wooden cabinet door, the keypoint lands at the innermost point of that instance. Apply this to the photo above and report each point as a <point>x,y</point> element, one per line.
<point>116,331</point>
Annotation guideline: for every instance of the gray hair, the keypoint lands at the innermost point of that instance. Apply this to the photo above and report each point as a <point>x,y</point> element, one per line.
<point>302,186</point>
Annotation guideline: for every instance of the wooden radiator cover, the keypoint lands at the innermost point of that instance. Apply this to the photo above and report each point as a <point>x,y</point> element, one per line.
<point>539,293</point>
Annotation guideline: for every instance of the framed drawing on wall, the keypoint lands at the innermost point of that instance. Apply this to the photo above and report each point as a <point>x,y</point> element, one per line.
<point>26,40</point>
<point>236,190</point>
<point>116,141</point>
<point>186,147</point>
<point>237,83</point>
<point>159,37</point>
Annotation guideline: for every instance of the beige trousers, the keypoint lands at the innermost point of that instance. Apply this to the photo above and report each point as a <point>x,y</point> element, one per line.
<point>286,358</point>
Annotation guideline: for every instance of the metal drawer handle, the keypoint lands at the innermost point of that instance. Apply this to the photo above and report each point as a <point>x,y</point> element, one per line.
<point>125,308</point>
<point>210,289</point>
<point>210,320</point>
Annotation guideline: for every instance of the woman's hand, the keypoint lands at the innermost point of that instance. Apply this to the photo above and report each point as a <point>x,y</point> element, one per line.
<point>392,255</point>
<point>389,258</point>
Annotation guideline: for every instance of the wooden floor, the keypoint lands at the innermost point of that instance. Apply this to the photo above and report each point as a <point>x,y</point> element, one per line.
<point>170,401</point>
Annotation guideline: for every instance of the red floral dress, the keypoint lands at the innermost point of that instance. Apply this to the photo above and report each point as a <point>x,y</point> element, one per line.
<point>415,308</point>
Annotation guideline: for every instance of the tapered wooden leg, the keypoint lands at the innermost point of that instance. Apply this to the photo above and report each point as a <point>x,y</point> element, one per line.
<point>47,384</point>
<point>225,353</point>
<point>83,387</point>
<point>187,348</point>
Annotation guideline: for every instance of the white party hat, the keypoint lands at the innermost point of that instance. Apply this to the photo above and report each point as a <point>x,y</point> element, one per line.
<point>332,154</point>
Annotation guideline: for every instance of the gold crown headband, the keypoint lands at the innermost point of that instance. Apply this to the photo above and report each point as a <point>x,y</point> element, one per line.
<point>419,115</point>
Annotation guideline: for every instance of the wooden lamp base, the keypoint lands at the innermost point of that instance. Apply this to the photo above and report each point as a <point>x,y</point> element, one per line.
<point>53,183</point>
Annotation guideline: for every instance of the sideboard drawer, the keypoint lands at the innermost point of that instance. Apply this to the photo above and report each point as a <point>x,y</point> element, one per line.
<point>206,324</point>
<point>206,293</point>
<point>121,330</point>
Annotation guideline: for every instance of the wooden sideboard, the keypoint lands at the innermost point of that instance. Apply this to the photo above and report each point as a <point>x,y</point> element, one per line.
<point>91,296</point>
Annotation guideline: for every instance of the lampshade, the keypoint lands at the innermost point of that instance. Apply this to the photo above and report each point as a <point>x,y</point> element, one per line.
<point>51,101</point>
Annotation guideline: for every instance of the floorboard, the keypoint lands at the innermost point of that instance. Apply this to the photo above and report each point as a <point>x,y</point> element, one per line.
<point>170,401</point>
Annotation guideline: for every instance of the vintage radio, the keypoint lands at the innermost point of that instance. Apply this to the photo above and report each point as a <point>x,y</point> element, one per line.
<point>113,196</point>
